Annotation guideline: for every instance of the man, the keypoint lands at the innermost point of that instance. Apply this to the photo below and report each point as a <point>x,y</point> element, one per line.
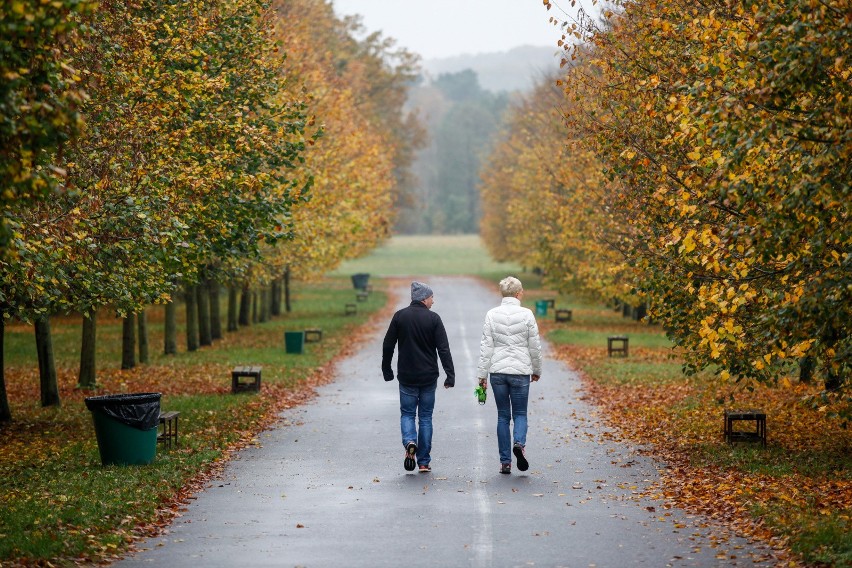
<point>422,339</point>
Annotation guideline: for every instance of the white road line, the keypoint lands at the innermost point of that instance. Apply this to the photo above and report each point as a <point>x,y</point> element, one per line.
<point>483,542</point>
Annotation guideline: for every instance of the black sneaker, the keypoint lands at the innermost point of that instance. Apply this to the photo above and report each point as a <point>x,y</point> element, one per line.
<point>410,455</point>
<point>518,450</point>
<point>505,468</point>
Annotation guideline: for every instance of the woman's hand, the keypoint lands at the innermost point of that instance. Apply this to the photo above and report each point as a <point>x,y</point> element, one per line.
<point>535,378</point>
<point>483,383</point>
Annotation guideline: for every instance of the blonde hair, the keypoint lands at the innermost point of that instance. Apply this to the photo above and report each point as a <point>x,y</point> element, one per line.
<point>510,286</point>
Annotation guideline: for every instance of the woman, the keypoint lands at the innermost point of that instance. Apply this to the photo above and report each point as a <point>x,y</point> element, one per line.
<point>510,351</point>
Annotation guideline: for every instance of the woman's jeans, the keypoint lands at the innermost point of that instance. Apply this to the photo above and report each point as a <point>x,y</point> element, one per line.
<point>511,393</point>
<point>417,401</point>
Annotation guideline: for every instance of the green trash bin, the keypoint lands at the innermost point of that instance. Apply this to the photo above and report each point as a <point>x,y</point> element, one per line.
<point>126,427</point>
<point>360,280</point>
<point>294,341</point>
<point>541,308</point>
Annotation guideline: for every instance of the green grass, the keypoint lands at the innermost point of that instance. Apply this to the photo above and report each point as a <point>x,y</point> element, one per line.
<point>773,460</point>
<point>439,255</point>
<point>637,372</point>
<point>58,505</point>
<point>638,335</point>
<point>821,539</point>
<point>826,541</point>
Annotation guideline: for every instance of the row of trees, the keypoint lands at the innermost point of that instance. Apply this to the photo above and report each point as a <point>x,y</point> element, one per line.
<point>149,146</point>
<point>697,158</point>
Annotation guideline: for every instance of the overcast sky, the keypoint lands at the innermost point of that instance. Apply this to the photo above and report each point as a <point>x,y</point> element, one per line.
<point>444,28</point>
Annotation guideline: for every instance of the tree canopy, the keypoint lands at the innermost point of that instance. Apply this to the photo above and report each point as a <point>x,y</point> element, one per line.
<point>722,134</point>
<point>187,135</point>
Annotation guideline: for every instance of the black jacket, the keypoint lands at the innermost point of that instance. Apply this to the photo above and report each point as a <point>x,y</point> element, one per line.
<point>422,338</point>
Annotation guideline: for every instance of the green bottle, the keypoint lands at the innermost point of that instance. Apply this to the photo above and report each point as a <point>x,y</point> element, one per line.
<point>480,393</point>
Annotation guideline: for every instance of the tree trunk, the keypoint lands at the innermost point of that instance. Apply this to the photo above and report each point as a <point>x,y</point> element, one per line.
<point>245,306</point>
<point>263,309</point>
<point>807,365</point>
<point>254,306</point>
<point>215,311</point>
<point>46,363</point>
<point>833,380</point>
<point>142,328</point>
<point>191,318</point>
<point>170,340</point>
<point>128,342</point>
<point>269,304</point>
<point>287,289</point>
<point>5,410</point>
<point>232,307</point>
<point>87,379</point>
<point>275,308</point>
<point>203,299</point>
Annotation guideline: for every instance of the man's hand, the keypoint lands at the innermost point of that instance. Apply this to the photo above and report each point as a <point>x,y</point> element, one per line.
<point>448,384</point>
<point>535,378</point>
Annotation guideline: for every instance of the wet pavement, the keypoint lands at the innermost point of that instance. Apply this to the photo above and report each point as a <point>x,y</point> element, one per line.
<point>327,488</point>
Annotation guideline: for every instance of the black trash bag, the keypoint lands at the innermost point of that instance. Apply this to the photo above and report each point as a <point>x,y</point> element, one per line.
<point>139,410</point>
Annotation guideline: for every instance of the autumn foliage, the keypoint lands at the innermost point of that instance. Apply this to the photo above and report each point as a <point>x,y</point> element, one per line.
<point>206,124</point>
<point>793,495</point>
<point>154,146</point>
<point>356,92</point>
<point>720,138</point>
<point>40,93</point>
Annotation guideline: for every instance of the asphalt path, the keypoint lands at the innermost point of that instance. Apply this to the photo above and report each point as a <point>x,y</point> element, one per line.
<point>326,487</point>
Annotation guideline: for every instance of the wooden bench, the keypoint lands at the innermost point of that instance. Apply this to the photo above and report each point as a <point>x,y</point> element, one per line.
<point>251,372</point>
<point>350,310</point>
<point>563,315</point>
<point>313,334</point>
<point>169,433</point>
<point>757,416</point>
<point>362,296</point>
<point>620,348</point>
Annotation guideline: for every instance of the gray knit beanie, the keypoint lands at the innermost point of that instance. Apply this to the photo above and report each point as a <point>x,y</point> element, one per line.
<point>420,291</point>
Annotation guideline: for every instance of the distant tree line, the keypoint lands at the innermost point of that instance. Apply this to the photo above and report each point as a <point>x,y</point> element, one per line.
<point>462,120</point>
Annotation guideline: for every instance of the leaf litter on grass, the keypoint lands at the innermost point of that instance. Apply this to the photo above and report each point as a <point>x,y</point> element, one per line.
<point>772,496</point>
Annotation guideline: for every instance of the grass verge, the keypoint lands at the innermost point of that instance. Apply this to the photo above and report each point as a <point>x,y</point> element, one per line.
<point>59,506</point>
<point>796,494</point>
<point>429,255</point>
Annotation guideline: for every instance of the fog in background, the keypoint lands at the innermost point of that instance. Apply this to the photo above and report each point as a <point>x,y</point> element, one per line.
<point>477,56</point>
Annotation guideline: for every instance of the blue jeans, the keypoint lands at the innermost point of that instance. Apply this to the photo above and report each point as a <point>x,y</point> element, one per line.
<point>417,401</point>
<point>511,393</point>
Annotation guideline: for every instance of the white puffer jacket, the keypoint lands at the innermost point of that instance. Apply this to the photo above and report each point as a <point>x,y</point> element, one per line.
<point>510,342</point>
